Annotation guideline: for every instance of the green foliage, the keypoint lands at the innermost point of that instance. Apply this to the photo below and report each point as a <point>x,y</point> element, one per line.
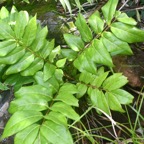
<point>49,81</point>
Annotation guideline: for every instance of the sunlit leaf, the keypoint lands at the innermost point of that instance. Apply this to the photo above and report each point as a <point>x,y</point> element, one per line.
<point>65,109</point>
<point>6,47</point>
<point>113,102</point>
<point>82,26</point>
<point>127,33</point>
<point>36,65</point>
<point>55,133</point>
<point>98,80</point>
<point>74,42</point>
<point>21,120</point>
<point>122,17</point>
<point>114,45</point>
<point>99,100</point>
<point>82,88</point>
<point>57,118</point>
<point>21,22</point>
<point>39,41</point>
<point>13,56</point>
<point>34,90</point>
<point>109,10</point>
<point>96,22</point>
<point>21,65</point>
<point>115,81</point>
<point>60,63</point>
<point>123,96</point>
<point>30,32</point>
<point>49,70</point>
<point>4,13</point>
<point>6,31</point>
<point>101,54</point>
<point>28,103</point>
<point>28,135</point>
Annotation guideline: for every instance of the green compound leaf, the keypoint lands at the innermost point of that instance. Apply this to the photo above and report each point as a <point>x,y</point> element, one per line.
<point>49,70</point>
<point>65,109</point>
<point>46,49</point>
<point>98,80</point>
<point>13,56</point>
<point>20,120</point>
<point>66,94</point>
<point>99,100</point>
<point>21,22</point>
<point>60,63</point>
<point>30,32</point>
<point>96,22</point>
<point>40,39</point>
<point>4,13</point>
<point>82,89</point>
<point>28,135</point>
<point>55,133</point>
<point>123,96</point>
<point>82,26</point>
<point>21,65</point>
<point>36,65</point>
<point>6,31</point>
<point>57,118</point>
<point>122,17</point>
<point>74,42</point>
<point>82,63</point>
<point>34,90</point>
<point>115,81</point>
<point>6,47</point>
<point>86,77</point>
<point>113,102</point>
<point>109,10</point>
<point>127,33</point>
<point>101,54</point>
<point>114,45</point>
<point>28,103</point>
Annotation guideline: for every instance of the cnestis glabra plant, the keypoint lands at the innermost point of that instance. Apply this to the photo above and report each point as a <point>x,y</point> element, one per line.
<point>49,81</point>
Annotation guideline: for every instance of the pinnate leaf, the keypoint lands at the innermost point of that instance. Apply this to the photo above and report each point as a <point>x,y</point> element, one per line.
<point>49,70</point>
<point>6,47</point>
<point>13,56</point>
<point>36,65</point>
<point>122,17</point>
<point>28,103</point>
<point>96,22</point>
<point>82,26</point>
<point>123,96</point>
<point>127,33</point>
<point>114,82</point>
<point>21,65</point>
<point>55,133</point>
<point>65,109</point>
<point>114,45</point>
<point>109,10</point>
<point>21,22</point>
<point>57,118</point>
<point>113,102</point>
<point>74,42</point>
<point>28,135</point>
<point>20,120</point>
<point>34,90</point>
<point>99,100</point>
<point>6,31</point>
<point>30,32</point>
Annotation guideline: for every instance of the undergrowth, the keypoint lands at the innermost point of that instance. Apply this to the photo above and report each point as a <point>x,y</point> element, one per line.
<point>49,82</point>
